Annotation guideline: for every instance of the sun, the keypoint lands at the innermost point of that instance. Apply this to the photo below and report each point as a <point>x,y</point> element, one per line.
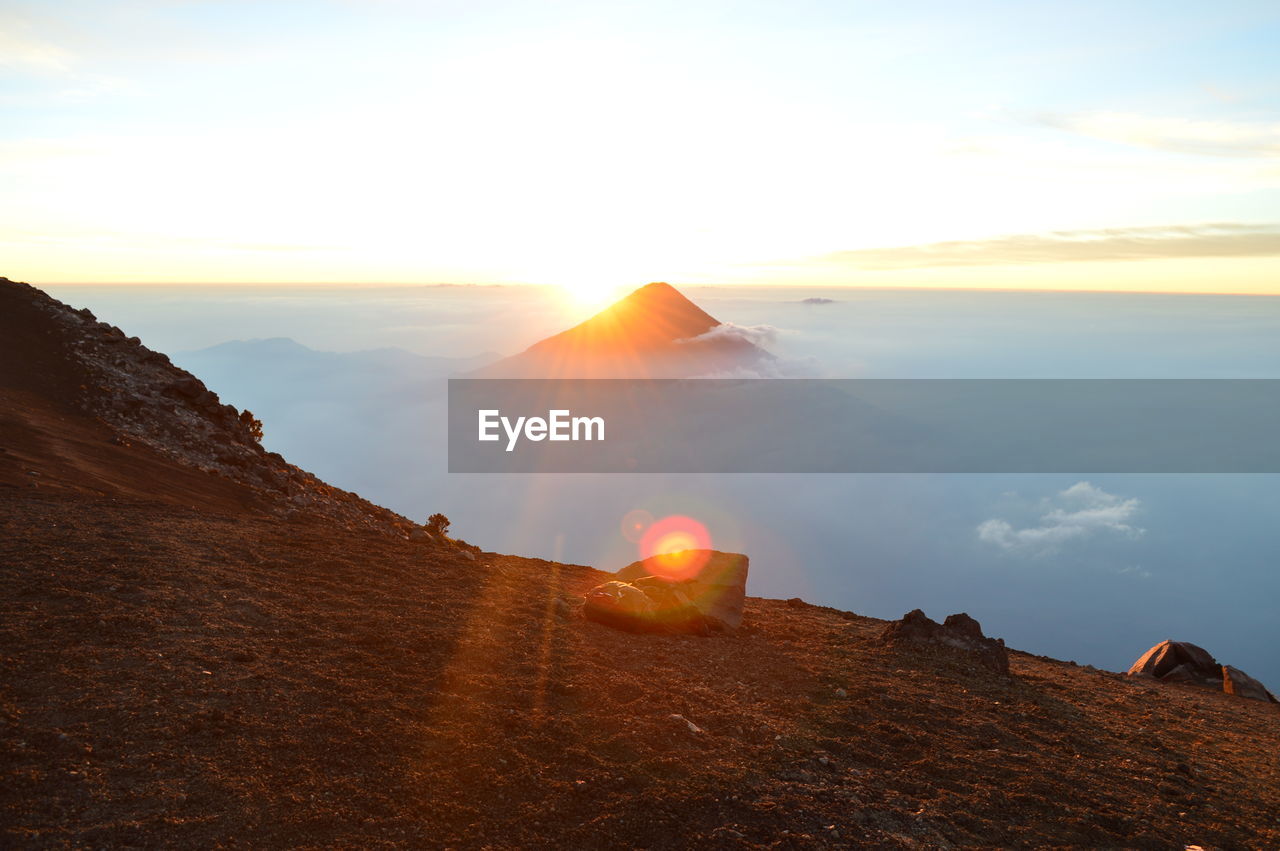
<point>678,546</point>
<point>588,294</point>
<point>589,282</point>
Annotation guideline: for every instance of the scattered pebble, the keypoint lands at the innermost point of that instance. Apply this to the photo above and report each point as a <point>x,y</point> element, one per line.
<point>693,728</point>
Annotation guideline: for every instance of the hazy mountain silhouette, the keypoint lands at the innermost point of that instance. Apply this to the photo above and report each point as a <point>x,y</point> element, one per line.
<point>286,353</point>
<point>279,367</point>
<point>655,332</point>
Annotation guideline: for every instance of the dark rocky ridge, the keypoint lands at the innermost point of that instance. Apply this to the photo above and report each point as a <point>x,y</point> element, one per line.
<point>85,367</point>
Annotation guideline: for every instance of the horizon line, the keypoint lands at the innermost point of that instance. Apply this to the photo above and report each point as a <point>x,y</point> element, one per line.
<point>862,287</point>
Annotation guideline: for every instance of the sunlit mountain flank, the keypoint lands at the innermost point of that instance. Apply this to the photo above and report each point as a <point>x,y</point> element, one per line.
<point>655,332</point>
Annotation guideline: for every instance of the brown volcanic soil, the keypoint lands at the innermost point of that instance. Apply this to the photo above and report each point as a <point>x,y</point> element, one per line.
<point>45,447</point>
<point>179,677</point>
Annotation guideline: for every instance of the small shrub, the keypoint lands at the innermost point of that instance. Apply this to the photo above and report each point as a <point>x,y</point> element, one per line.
<point>251,424</point>
<point>438,524</point>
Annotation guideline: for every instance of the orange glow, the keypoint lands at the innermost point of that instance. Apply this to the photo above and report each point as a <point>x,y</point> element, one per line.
<point>635,337</point>
<point>678,545</point>
<point>586,292</point>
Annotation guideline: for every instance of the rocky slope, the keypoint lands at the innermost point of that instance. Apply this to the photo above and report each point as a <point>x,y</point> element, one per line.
<point>63,373</point>
<point>188,659</point>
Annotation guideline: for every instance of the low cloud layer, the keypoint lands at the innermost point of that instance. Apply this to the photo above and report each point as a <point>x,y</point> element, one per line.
<point>760,335</point>
<point>772,368</point>
<point>764,336</point>
<point>1147,243</point>
<point>1079,512</point>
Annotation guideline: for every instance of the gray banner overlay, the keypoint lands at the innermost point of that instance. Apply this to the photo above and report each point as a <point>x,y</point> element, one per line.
<point>864,426</point>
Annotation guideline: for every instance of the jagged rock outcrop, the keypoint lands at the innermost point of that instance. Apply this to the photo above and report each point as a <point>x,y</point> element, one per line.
<point>958,631</point>
<point>645,599</point>
<point>91,368</point>
<point>1183,662</point>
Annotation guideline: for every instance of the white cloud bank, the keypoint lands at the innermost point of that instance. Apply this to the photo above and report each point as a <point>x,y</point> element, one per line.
<point>763,336</point>
<point>1081,511</point>
<point>759,335</point>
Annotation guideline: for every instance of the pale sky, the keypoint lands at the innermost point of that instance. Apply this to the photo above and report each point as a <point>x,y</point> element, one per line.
<point>1071,145</point>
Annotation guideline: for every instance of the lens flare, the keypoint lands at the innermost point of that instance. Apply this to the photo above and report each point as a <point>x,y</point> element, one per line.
<point>634,524</point>
<point>678,545</point>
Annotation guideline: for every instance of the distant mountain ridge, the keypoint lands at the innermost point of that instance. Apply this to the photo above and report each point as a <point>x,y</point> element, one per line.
<point>655,332</point>
<point>266,370</point>
<point>273,350</point>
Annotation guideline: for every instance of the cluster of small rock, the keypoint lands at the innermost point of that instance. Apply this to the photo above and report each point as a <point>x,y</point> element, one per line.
<point>958,631</point>
<point>1184,662</point>
<point>146,400</point>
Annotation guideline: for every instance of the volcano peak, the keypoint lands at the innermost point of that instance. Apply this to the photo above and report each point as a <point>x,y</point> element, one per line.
<point>655,331</point>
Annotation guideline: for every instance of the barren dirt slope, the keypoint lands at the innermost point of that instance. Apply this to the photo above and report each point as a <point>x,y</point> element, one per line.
<point>178,677</point>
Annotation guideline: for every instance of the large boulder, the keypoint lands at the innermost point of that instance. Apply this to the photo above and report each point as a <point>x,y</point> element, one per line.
<point>717,585</point>
<point>1192,675</point>
<point>1179,661</point>
<point>958,631</point>
<point>1184,662</point>
<point>646,598</point>
<point>619,605</point>
<point>1237,682</point>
